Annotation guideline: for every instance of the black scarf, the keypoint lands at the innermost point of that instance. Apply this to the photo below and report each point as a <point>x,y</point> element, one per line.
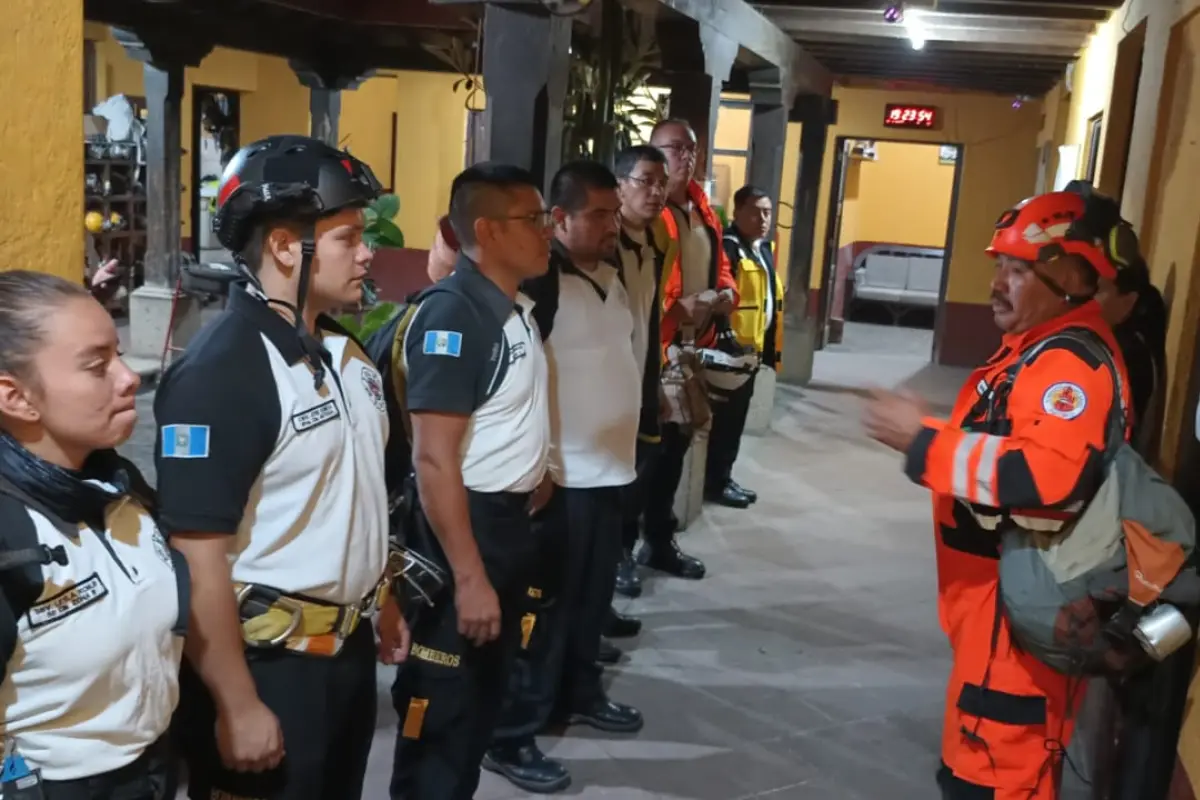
<point>62,493</point>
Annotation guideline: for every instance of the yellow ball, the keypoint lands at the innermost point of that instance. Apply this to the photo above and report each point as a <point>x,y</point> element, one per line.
<point>93,221</point>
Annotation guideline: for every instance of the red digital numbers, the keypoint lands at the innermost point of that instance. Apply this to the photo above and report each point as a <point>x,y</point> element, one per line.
<point>904,116</point>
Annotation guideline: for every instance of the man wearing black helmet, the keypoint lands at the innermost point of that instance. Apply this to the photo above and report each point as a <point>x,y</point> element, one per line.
<point>270,471</point>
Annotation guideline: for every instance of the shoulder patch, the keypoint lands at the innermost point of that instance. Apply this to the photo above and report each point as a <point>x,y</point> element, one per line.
<point>442,343</point>
<point>1064,400</point>
<point>185,441</point>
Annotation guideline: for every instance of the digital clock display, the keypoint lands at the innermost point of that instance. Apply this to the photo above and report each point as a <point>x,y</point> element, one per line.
<point>896,115</point>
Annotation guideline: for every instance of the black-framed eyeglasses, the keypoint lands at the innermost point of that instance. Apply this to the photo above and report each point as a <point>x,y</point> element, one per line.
<point>682,148</point>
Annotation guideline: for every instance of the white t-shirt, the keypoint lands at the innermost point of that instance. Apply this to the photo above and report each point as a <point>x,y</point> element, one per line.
<point>638,267</point>
<point>595,382</point>
<point>695,251</point>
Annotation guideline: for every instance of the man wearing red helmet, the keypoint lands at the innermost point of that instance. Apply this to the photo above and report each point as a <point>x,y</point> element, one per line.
<point>1020,448</point>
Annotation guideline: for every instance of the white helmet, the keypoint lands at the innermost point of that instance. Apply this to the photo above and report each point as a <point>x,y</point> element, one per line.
<point>727,372</point>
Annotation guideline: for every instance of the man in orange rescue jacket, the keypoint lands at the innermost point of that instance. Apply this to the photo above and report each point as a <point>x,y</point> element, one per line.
<point>699,288</point>
<point>1024,452</point>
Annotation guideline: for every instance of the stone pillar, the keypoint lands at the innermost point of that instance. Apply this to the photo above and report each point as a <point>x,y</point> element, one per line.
<point>769,98</point>
<point>800,329</point>
<point>41,172</point>
<point>526,59</point>
<point>155,313</point>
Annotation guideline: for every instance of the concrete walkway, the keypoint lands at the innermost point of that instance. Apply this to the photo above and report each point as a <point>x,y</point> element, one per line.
<point>808,664</point>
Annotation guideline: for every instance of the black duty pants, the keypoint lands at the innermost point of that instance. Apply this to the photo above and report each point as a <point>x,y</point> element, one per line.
<point>558,668</point>
<point>449,692</point>
<point>147,778</point>
<point>662,483</point>
<point>326,709</point>
<point>725,438</point>
<point>955,788</point>
<point>634,496</point>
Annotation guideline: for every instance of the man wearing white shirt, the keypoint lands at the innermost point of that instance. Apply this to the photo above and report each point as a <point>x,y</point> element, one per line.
<point>582,311</point>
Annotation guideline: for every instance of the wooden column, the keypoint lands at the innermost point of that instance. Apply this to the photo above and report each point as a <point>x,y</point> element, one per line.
<point>802,331</point>
<point>325,83</point>
<point>526,59</point>
<point>696,96</point>
<point>768,132</point>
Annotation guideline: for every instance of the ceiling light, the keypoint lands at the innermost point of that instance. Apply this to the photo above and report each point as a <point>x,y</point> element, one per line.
<point>916,31</point>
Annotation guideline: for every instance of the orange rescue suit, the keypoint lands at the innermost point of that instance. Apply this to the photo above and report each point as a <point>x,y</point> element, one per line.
<point>1025,452</point>
<point>720,273</point>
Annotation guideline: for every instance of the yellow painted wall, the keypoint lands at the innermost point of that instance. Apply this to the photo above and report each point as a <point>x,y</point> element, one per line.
<point>41,137</point>
<point>903,197</point>
<point>1172,239</point>
<point>430,152</point>
<point>1091,86</point>
<point>428,155</point>
<point>999,168</point>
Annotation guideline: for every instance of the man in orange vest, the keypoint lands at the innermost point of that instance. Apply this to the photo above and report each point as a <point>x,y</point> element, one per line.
<point>699,288</point>
<point>1021,448</point>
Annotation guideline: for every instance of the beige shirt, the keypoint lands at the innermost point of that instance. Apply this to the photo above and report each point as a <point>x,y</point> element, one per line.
<point>695,251</point>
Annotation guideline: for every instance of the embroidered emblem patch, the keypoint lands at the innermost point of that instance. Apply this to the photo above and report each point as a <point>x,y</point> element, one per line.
<point>185,441</point>
<point>442,343</point>
<point>1064,400</point>
<point>373,383</point>
<point>317,415</point>
<point>67,602</point>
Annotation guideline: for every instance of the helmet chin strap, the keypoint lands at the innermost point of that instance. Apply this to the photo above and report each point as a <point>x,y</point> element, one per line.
<point>1063,294</point>
<point>314,352</point>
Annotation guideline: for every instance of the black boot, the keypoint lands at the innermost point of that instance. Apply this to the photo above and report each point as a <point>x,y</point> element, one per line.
<point>727,496</point>
<point>737,487</point>
<point>605,715</point>
<point>620,626</point>
<point>629,583</point>
<point>667,557</point>
<point>609,652</point>
<point>527,767</point>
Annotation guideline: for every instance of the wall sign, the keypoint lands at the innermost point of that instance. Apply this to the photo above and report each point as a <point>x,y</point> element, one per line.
<point>897,115</point>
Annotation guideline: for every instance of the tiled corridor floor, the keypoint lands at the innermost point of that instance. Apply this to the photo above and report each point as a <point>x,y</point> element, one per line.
<point>808,664</point>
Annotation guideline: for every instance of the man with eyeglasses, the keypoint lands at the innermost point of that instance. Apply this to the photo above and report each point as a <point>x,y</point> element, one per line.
<point>698,293</point>
<point>644,250</point>
<point>477,396</point>
<point>582,310</point>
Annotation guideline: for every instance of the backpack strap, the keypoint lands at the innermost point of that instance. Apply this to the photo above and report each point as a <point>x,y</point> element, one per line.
<point>1090,341</point>
<point>400,374</point>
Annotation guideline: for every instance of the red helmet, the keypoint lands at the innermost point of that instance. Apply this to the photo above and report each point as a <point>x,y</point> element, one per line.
<point>1049,226</point>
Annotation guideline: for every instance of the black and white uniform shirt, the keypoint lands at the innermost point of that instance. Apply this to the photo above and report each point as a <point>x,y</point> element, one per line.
<point>451,357</point>
<point>249,446</point>
<point>92,646</point>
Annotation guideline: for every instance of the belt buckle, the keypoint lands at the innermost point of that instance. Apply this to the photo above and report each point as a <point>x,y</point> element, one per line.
<point>350,617</point>
<point>284,603</point>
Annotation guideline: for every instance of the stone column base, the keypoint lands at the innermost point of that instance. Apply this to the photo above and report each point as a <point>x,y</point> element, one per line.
<point>689,498</point>
<point>150,320</point>
<point>799,342</point>
<point>762,403</point>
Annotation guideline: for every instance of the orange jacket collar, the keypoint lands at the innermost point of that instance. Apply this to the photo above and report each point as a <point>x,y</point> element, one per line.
<point>1087,315</point>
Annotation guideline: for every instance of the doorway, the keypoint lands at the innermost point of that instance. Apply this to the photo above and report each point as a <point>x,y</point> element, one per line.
<point>216,120</point>
<point>888,245</point>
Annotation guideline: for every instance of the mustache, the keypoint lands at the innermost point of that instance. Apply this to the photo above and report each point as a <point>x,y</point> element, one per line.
<point>1001,299</point>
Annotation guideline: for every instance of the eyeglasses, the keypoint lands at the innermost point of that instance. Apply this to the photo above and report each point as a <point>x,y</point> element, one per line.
<point>682,148</point>
<point>648,183</point>
<point>538,219</point>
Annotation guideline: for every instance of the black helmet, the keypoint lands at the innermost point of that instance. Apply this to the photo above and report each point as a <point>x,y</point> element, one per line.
<point>287,177</point>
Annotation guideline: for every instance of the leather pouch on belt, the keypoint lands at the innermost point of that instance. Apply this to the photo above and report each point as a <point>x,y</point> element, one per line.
<point>296,624</point>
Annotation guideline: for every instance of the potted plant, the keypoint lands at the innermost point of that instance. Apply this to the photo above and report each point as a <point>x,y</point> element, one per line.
<point>380,232</point>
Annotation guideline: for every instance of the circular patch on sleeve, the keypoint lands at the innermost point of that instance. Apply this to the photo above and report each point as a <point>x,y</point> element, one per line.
<point>1064,400</point>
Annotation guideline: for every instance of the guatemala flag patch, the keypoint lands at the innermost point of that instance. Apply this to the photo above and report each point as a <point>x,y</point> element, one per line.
<point>442,343</point>
<point>185,441</point>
